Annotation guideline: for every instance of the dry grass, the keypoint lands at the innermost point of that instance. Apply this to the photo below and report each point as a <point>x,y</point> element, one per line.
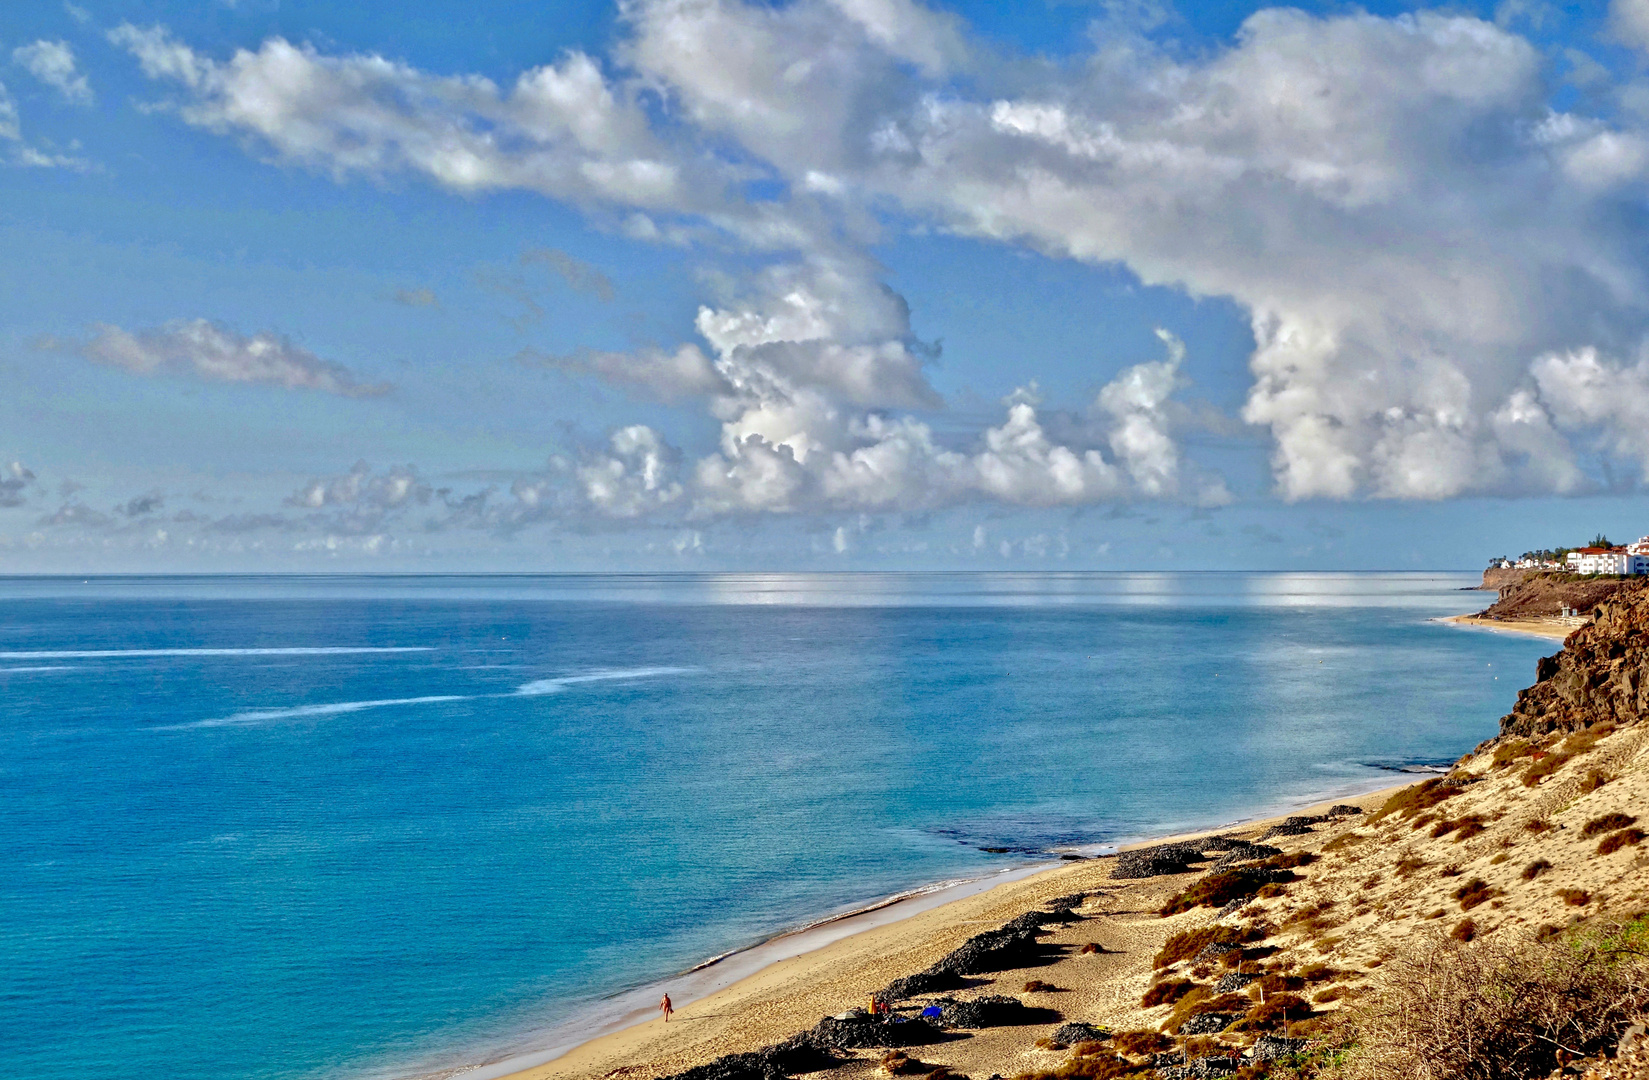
<point>1575,897</point>
<point>1594,780</point>
<point>1537,825</point>
<point>1134,1043</point>
<point>1408,865</point>
<point>1343,841</point>
<point>1166,992</point>
<point>1474,892</point>
<point>1496,1009</point>
<point>1606,823</point>
<point>1464,930</point>
<point>1415,800</point>
<point>1216,890</point>
<point>1188,943</point>
<point>1535,869</point>
<point>1617,840</point>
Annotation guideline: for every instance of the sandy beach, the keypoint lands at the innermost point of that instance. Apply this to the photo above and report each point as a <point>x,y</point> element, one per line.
<point>792,994</point>
<point>1368,886</point>
<point>1556,629</point>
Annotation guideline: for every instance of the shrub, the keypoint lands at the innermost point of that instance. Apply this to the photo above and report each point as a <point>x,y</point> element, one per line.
<point>1141,1042</point>
<point>1217,890</point>
<point>1464,930</point>
<point>1275,1011</point>
<point>1544,765</point>
<point>1268,891</point>
<point>1277,982</point>
<point>1606,823</point>
<point>1188,943</point>
<point>1090,948</point>
<point>1312,973</point>
<point>1509,752</point>
<point>1494,1009</point>
<point>1288,860</point>
<point>1090,1068</point>
<point>1472,893</point>
<point>1343,841</point>
<point>1575,897</point>
<point>1416,799</point>
<point>1586,738</point>
<point>1537,825</point>
<point>1451,870</point>
<point>1408,864</point>
<point>1617,840</point>
<point>1594,780</point>
<point>1166,992</point>
<point>1535,869</point>
<point>1468,827</point>
<point>1333,993</point>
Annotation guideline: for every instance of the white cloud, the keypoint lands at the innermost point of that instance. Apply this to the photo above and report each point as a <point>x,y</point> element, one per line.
<point>10,127</point>
<point>1395,203</point>
<point>15,481</point>
<point>560,130</point>
<point>637,476</point>
<point>668,376</point>
<point>53,63</point>
<point>1629,20</point>
<point>209,351</point>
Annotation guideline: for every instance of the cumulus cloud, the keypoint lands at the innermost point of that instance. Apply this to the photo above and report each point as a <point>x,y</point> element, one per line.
<point>364,489</point>
<point>53,63</point>
<point>561,130</point>
<point>208,350</point>
<point>1426,247</point>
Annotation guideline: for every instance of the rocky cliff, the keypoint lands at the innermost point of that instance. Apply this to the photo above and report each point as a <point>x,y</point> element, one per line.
<point>1600,675</point>
<point>1545,594</point>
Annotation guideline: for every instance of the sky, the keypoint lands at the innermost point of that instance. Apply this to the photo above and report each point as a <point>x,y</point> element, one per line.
<point>435,285</point>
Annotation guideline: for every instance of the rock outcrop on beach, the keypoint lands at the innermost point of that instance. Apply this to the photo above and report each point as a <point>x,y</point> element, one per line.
<point>1601,676</point>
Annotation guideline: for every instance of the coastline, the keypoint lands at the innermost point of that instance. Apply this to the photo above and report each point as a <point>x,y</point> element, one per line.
<point>1554,629</point>
<point>765,993</point>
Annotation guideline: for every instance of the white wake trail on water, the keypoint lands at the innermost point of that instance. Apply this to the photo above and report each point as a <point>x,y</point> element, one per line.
<point>555,686</point>
<point>300,712</point>
<point>121,654</point>
<point>256,717</point>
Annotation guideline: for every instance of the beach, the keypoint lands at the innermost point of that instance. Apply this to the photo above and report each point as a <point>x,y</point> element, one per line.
<point>1496,848</point>
<point>1555,628</point>
<point>792,994</point>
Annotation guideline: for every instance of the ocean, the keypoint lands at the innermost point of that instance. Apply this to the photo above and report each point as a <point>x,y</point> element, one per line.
<point>370,827</point>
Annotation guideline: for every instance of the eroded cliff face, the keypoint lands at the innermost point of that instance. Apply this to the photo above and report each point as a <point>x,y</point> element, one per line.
<point>1601,674</point>
<point>1545,594</point>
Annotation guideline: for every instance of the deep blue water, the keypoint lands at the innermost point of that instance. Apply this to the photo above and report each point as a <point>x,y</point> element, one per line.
<point>218,862</point>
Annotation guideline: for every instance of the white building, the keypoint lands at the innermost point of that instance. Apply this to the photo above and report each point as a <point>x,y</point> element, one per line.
<point>1613,561</point>
<point>1641,547</point>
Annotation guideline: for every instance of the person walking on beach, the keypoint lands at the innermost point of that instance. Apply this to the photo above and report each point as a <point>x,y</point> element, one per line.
<point>666,1008</point>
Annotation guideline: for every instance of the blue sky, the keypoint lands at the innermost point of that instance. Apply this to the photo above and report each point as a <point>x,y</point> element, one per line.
<point>708,284</point>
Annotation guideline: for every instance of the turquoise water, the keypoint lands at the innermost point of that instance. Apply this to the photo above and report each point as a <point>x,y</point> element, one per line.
<point>337,827</point>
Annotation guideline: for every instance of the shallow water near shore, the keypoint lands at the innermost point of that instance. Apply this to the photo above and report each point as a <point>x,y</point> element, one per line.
<point>318,827</point>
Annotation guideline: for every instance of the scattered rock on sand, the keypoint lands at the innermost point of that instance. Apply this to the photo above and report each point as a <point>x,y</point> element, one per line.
<point>1230,984</point>
<point>1344,810</point>
<point>1200,1069</point>
<point>861,1034</point>
<point>1208,1023</point>
<point>1078,1032</point>
<point>1156,861</point>
<point>1277,1048</point>
<point>993,1010</point>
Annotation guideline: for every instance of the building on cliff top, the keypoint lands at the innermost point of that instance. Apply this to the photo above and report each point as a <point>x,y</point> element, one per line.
<point>1619,562</point>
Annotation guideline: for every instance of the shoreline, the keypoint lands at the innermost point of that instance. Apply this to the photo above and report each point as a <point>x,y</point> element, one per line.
<point>1553,629</point>
<point>615,1025</point>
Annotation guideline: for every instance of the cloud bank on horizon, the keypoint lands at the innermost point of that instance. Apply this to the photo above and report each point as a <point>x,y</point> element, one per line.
<point>1443,269</point>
